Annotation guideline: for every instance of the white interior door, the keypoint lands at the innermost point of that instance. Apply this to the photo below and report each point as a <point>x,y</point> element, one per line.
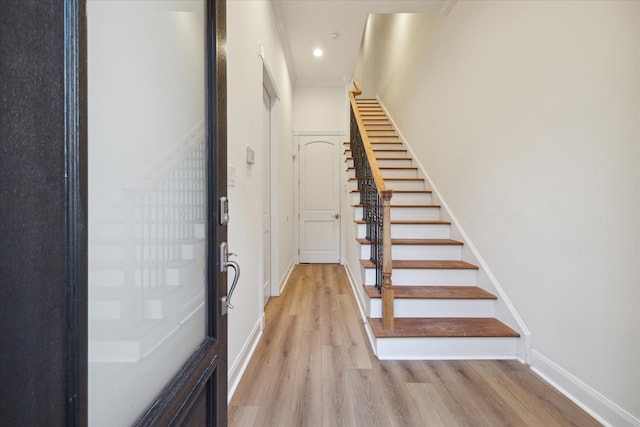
<point>266,198</point>
<point>319,199</point>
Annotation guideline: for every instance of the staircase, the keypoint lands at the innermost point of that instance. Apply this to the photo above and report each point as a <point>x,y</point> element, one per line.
<point>440,313</point>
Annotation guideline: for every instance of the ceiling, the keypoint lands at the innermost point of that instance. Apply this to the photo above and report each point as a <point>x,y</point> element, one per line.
<point>306,24</point>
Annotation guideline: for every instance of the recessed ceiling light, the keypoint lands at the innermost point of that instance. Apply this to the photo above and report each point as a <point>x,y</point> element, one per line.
<point>317,52</point>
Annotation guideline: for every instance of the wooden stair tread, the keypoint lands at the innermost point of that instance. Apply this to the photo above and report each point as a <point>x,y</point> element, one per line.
<point>425,264</point>
<point>433,292</point>
<point>380,142</point>
<point>445,327</point>
<point>409,242</point>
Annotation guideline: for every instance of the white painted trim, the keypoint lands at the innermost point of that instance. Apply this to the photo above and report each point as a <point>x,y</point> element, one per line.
<point>285,277</point>
<point>269,82</point>
<point>597,405</point>
<point>524,345</point>
<point>361,309</point>
<point>352,282</point>
<point>318,132</point>
<point>278,16</point>
<point>236,370</point>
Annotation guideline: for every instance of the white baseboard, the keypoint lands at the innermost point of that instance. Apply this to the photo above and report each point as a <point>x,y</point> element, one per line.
<point>361,309</point>
<point>240,364</point>
<point>597,405</point>
<point>354,289</point>
<point>285,277</point>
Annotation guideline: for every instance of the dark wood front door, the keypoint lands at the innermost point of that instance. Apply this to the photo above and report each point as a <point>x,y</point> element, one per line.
<point>66,276</point>
<point>157,174</point>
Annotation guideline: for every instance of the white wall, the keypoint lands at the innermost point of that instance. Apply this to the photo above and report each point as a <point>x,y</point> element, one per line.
<point>320,108</point>
<point>525,114</point>
<point>251,24</point>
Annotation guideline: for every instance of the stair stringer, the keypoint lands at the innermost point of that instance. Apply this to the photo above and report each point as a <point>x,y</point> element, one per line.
<point>504,309</point>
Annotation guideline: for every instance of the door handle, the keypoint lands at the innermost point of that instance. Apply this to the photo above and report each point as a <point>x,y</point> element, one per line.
<point>336,216</point>
<point>225,262</point>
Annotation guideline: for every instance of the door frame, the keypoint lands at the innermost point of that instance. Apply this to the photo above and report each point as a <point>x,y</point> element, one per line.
<point>43,252</point>
<point>296,183</point>
<point>269,84</point>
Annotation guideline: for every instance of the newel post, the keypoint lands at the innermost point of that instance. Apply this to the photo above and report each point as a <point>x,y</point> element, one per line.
<point>387,289</point>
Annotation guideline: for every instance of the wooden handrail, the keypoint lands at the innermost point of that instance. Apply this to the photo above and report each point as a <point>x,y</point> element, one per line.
<point>385,195</point>
<point>375,170</point>
<point>358,91</point>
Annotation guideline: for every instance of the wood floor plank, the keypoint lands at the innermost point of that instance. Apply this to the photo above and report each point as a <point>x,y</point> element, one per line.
<point>518,399</point>
<point>314,366</point>
<point>243,415</point>
<point>337,409</point>
<point>432,411</point>
<point>366,401</point>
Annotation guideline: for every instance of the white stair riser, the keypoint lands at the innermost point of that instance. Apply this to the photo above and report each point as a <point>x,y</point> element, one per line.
<point>386,144</point>
<point>418,252</point>
<point>412,184</point>
<point>388,163</point>
<point>393,173</point>
<point>375,121</point>
<point>379,127</point>
<point>446,348</point>
<point>413,231</point>
<point>409,213</point>
<point>385,154</point>
<point>402,198</point>
<point>382,135</point>
<point>424,276</point>
<point>435,308</point>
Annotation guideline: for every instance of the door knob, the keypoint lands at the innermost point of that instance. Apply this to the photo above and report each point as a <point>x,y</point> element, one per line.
<point>336,216</point>
<point>225,262</point>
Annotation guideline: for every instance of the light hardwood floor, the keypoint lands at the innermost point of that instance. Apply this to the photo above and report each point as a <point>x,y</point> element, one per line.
<point>314,367</point>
